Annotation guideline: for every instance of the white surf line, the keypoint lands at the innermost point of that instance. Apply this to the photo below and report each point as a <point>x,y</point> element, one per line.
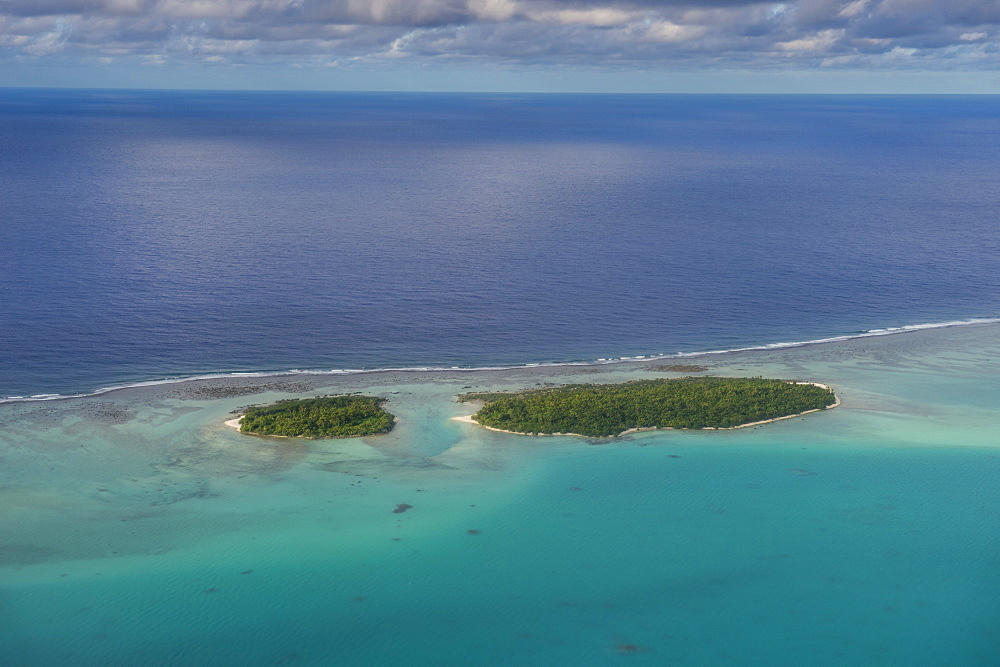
<point>870,333</point>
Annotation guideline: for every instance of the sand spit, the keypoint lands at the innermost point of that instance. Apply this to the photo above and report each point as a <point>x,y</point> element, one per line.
<point>468,419</point>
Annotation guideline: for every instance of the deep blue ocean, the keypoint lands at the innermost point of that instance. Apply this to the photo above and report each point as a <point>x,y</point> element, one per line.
<point>151,235</point>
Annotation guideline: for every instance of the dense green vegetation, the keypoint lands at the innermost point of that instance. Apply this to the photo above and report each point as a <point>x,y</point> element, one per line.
<point>609,409</point>
<point>324,417</point>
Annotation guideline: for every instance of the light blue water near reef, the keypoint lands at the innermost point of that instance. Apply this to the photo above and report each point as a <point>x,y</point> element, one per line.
<point>152,235</point>
<point>140,530</point>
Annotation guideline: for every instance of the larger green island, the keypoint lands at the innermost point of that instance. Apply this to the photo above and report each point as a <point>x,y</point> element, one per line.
<point>601,410</point>
<point>321,417</point>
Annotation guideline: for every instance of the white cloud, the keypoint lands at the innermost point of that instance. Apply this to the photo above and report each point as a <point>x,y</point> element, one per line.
<point>852,9</point>
<point>669,32</point>
<point>736,34</point>
<point>14,41</point>
<point>48,43</point>
<point>820,42</point>
<point>601,16</point>
<point>840,61</point>
<point>492,10</point>
<point>397,49</point>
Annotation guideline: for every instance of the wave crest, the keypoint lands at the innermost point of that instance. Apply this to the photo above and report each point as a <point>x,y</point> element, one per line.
<point>597,362</point>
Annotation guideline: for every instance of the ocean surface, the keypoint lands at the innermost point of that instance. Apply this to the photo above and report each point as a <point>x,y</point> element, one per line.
<point>151,236</point>
<point>139,530</point>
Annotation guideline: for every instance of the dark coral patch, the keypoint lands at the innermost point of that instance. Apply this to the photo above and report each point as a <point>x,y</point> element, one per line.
<point>630,648</point>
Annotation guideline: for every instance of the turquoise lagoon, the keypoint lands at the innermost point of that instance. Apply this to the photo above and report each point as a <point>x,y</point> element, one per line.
<point>137,529</point>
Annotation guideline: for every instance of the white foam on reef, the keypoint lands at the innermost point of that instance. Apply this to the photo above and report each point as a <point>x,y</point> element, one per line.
<point>864,334</point>
<point>888,331</point>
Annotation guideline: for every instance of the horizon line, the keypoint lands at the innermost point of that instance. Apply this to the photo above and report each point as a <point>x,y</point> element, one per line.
<point>498,92</point>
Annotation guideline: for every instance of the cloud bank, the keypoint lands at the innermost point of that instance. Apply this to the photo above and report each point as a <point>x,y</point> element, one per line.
<point>732,34</point>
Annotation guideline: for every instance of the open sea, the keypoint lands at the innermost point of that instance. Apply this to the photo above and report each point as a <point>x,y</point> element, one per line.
<point>152,235</point>
<point>277,244</point>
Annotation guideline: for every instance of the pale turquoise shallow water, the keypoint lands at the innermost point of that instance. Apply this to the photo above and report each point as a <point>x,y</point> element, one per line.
<point>139,530</point>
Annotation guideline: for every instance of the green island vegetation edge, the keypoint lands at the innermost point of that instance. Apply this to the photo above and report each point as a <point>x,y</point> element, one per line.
<point>321,417</point>
<point>603,410</point>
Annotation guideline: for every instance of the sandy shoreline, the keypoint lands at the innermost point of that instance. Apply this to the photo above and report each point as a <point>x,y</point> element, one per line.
<point>468,419</point>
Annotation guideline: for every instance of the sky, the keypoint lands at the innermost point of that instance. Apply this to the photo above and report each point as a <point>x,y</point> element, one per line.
<point>745,46</point>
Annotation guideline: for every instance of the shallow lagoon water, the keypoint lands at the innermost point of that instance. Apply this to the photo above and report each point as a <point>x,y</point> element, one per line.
<point>139,529</point>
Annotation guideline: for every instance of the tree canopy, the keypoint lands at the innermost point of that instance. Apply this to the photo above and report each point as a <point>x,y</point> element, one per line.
<point>602,410</point>
<point>323,417</point>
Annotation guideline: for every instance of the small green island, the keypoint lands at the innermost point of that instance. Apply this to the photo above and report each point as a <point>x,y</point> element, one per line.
<point>603,410</point>
<point>322,417</point>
